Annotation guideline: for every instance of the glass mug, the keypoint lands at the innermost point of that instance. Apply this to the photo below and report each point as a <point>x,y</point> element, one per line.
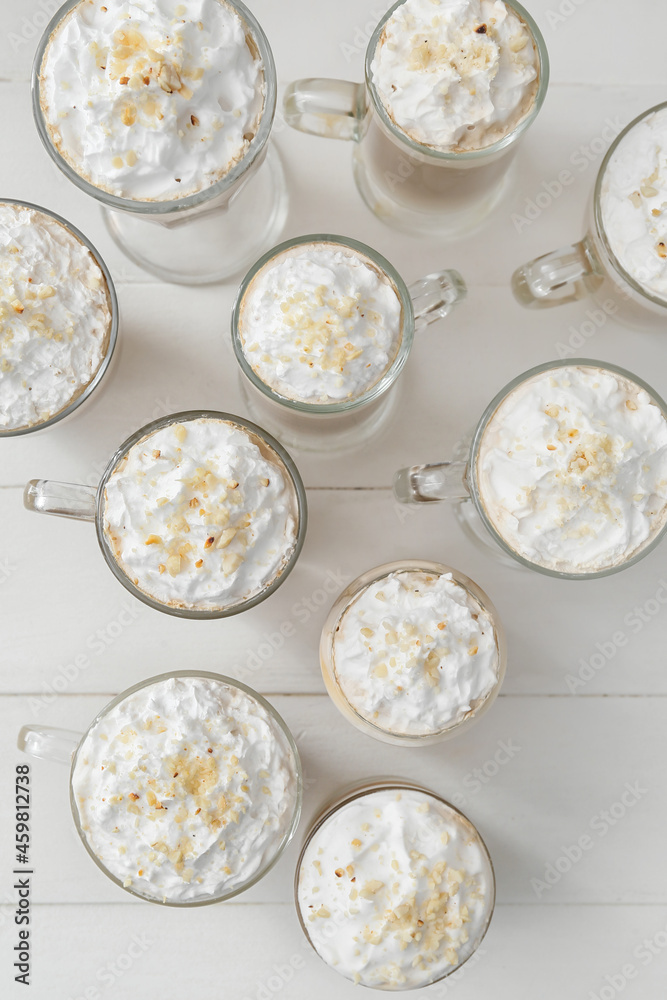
<point>328,657</point>
<point>211,234</point>
<point>112,351</point>
<point>590,268</point>
<point>352,796</point>
<point>411,186</point>
<point>63,746</point>
<point>349,423</point>
<point>458,481</point>
<point>87,503</point>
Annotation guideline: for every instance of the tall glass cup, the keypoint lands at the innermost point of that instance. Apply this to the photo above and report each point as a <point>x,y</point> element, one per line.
<point>591,268</point>
<point>349,423</point>
<point>458,481</point>
<point>63,746</point>
<point>409,185</point>
<point>212,234</point>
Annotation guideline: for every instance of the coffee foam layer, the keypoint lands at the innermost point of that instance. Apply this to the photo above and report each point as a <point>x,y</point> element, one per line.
<point>320,323</point>
<point>185,789</point>
<point>395,889</point>
<point>456,75</point>
<point>572,469</point>
<point>55,317</point>
<point>415,653</point>
<point>199,516</point>
<point>152,100</point>
<point>633,202</point>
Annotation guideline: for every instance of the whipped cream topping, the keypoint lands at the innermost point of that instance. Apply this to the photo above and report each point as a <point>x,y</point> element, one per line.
<point>320,323</point>
<point>395,889</point>
<point>456,74</point>
<point>55,317</point>
<point>200,514</point>
<point>415,653</point>
<point>185,789</point>
<point>572,469</point>
<point>152,100</point>
<point>633,200</point>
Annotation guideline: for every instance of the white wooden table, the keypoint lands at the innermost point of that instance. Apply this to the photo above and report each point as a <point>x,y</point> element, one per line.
<point>600,930</point>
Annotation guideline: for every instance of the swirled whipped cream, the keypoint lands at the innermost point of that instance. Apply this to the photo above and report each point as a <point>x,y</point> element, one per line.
<point>395,889</point>
<point>201,514</point>
<point>415,653</point>
<point>152,100</point>
<point>55,317</point>
<point>186,789</point>
<point>572,469</point>
<point>456,74</point>
<point>633,200</point>
<point>320,323</point>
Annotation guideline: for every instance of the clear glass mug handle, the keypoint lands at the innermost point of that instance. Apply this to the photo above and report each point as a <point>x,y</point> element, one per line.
<point>434,295</point>
<point>48,743</point>
<point>45,496</point>
<point>431,483</point>
<point>564,275</point>
<point>335,109</point>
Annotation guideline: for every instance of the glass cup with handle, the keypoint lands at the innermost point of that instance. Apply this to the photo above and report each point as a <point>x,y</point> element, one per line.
<point>87,503</point>
<point>592,267</point>
<point>213,233</point>
<point>350,422</point>
<point>465,480</point>
<point>411,186</point>
<point>70,747</point>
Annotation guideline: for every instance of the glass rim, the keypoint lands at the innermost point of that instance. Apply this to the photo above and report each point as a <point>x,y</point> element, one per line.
<point>113,324</point>
<point>359,789</point>
<point>472,154</point>
<point>298,770</point>
<point>174,205</point>
<point>349,595</point>
<point>407,320</point>
<point>471,476</point>
<point>301,514</point>
<point>600,229</point>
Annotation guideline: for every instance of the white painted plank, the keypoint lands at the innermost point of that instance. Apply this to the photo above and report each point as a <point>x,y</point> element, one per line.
<point>77,608</point>
<point>565,770</point>
<point>246,952</point>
